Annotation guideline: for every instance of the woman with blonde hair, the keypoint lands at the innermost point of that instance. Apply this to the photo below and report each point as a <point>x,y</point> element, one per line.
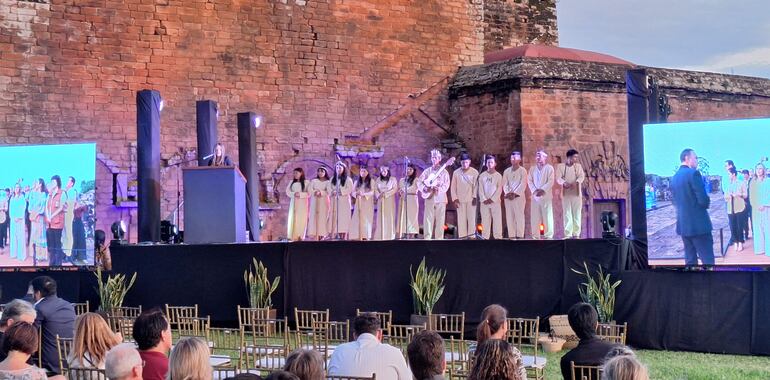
<point>624,367</point>
<point>189,360</point>
<point>92,339</point>
<point>306,364</point>
<point>495,360</point>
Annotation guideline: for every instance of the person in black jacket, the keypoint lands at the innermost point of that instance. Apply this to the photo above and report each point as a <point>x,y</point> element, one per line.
<point>591,350</point>
<point>55,316</point>
<point>692,219</point>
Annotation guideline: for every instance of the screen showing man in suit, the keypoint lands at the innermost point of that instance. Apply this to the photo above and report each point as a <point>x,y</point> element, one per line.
<point>702,209</point>
<point>48,212</point>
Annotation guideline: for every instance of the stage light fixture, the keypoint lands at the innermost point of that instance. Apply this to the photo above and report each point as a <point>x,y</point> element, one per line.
<point>257,121</point>
<point>542,229</point>
<point>609,219</point>
<point>118,231</point>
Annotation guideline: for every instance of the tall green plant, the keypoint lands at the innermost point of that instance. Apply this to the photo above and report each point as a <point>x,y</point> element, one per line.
<point>113,290</point>
<point>258,286</point>
<point>427,287</point>
<point>598,291</point>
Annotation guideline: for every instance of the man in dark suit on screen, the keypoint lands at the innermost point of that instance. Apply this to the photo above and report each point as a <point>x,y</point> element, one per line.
<point>692,219</point>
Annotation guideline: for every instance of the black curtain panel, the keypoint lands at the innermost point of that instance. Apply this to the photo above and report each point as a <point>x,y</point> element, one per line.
<point>638,101</point>
<point>148,163</point>
<point>247,162</point>
<point>206,125</point>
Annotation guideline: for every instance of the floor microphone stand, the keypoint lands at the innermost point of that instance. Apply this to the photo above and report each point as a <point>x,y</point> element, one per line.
<point>476,234</point>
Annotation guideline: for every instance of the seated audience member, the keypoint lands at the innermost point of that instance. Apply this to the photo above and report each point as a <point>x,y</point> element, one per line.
<point>591,350</point>
<point>93,338</point>
<point>19,343</point>
<point>15,311</point>
<point>306,364</point>
<point>367,355</point>
<point>624,367</point>
<point>426,356</point>
<point>55,316</point>
<point>282,375</point>
<point>494,325</point>
<point>189,360</point>
<point>152,333</point>
<point>619,350</point>
<point>123,362</point>
<point>495,361</point>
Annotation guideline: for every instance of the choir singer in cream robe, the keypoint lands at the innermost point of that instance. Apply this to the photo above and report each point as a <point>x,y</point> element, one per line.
<point>363,213</point>
<point>342,187</point>
<point>385,193</point>
<point>408,207</point>
<point>298,193</point>
<point>434,213</point>
<point>514,186</point>
<point>463,193</point>
<point>570,176</point>
<point>490,189</point>
<point>540,181</point>
<point>320,188</point>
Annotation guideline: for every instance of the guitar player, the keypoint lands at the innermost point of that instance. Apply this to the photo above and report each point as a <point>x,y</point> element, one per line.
<point>433,184</point>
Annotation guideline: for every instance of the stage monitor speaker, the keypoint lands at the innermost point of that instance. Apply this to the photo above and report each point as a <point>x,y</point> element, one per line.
<point>148,105</point>
<point>247,161</point>
<point>206,121</point>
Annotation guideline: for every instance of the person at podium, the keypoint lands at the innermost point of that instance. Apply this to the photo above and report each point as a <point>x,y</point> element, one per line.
<point>220,159</point>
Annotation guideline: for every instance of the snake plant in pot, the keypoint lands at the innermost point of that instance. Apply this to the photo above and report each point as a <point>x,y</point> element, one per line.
<point>259,288</point>
<point>112,290</point>
<point>599,291</point>
<point>427,287</point>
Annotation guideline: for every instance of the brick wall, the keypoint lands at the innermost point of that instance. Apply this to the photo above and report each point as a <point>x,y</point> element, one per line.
<point>510,23</point>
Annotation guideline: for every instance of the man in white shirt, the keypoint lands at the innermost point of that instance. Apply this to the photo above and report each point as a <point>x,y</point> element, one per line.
<point>434,193</point>
<point>570,176</point>
<point>540,180</point>
<point>463,192</point>
<point>514,186</point>
<point>367,355</point>
<point>490,188</point>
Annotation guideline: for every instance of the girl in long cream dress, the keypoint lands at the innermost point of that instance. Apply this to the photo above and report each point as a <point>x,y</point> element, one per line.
<point>18,237</point>
<point>385,193</point>
<point>298,193</point>
<point>363,214</point>
<point>36,206</point>
<point>342,187</point>
<point>408,208</point>
<point>320,189</point>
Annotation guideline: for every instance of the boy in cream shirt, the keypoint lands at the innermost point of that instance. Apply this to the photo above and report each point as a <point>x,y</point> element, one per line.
<point>570,176</point>
<point>463,193</point>
<point>514,185</point>
<point>540,181</point>
<point>490,189</point>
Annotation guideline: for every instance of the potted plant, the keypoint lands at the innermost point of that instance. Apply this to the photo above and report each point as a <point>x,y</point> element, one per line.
<point>427,287</point>
<point>599,291</point>
<point>259,288</point>
<point>113,290</point>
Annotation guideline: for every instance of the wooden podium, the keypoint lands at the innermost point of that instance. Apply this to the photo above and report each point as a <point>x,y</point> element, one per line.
<point>214,205</point>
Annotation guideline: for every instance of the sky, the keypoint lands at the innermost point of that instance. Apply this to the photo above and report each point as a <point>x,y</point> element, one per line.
<point>743,141</point>
<point>30,162</point>
<point>725,36</point>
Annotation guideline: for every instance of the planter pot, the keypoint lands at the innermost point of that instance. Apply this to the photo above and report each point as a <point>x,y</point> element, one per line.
<point>552,345</point>
<point>424,320</point>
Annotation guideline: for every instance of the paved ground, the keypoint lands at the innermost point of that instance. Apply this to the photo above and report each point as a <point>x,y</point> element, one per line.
<point>665,246</point>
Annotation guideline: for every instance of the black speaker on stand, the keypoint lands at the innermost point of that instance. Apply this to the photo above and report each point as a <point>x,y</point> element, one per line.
<point>248,122</point>
<point>148,107</point>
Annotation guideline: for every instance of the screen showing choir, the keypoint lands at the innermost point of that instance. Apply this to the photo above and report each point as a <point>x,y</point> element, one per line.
<point>47,195</point>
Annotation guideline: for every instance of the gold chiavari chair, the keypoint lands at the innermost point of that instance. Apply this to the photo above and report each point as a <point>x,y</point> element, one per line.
<point>125,311</point>
<point>524,334</point>
<point>401,335</point>
<point>194,327</point>
<point>227,342</point>
<point>306,318</point>
<point>452,324</point>
<point>173,313</point>
<point>265,344</point>
<point>124,325</point>
<point>63,347</point>
<point>585,372</point>
<point>386,319</point>
<point>86,374</point>
<point>458,360</point>
<point>81,308</point>
<point>612,333</point>
<point>247,315</point>
<point>222,373</point>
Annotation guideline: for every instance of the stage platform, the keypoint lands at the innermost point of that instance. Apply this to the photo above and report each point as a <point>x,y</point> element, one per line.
<point>706,311</point>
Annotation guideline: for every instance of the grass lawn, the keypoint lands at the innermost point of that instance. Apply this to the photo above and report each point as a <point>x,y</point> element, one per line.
<point>671,365</point>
